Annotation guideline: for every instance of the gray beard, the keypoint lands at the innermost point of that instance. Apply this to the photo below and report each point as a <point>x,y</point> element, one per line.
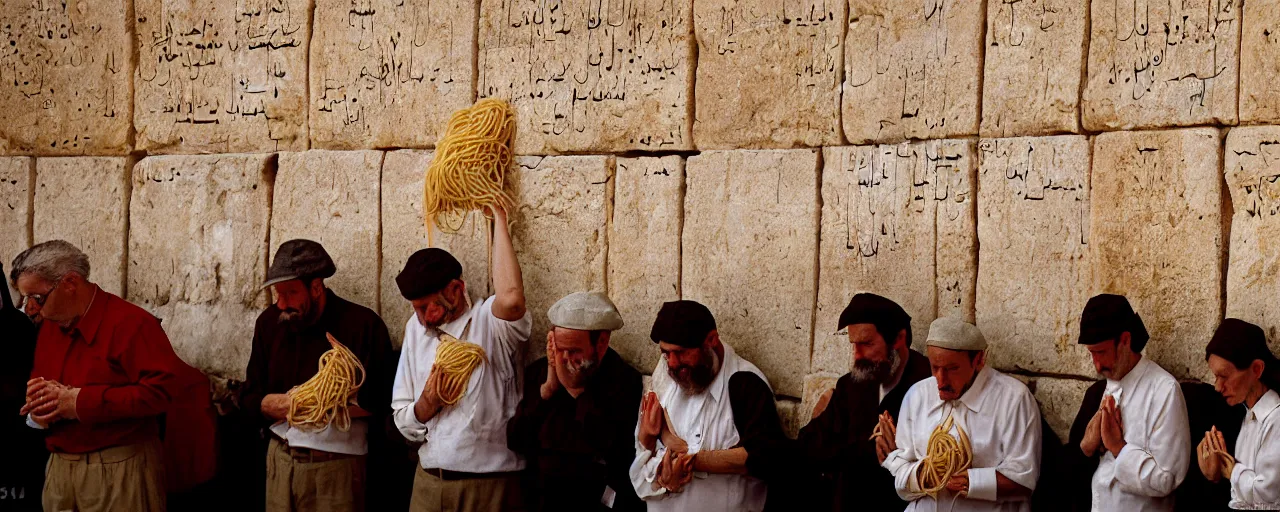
<point>881,372</point>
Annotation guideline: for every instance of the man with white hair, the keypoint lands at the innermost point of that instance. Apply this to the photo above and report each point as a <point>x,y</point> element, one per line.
<point>969,436</point>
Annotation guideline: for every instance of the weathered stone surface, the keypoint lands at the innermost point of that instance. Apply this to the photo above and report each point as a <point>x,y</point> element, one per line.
<point>560,231</point>
<point>1033,67</point>
<point>1260,63</point>
<point>912,70</point>
<point>791,415</point>
<point>1154,64</point>
<point>17,176</point>
<point>198,253</point>
<point>64,77</point>
<point>1059,402</point>
<point>404,232</point>
<point>889,212</point>
<point>1157,236</point>
<point>389,73</point>
<point>768,73</point>
<point>815,385</point>
<point>587,77</point>
<point>749,254</point>
<point>221,76</point>
<point>1033,266</point>
<point>332,197</point>
<point>644,250</point>
<point>83,200</point>
<point>1253,276</point>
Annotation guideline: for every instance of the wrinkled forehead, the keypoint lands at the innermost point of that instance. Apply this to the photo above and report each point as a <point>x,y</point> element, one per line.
<point>31,284</point>
<point>572,338</point>
<point>863,333</point>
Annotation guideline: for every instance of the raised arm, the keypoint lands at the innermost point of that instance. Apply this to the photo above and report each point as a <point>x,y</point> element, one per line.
<point>508,285</point>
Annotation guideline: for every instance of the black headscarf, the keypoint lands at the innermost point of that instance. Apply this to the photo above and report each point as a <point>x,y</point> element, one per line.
<point>1242,343</point>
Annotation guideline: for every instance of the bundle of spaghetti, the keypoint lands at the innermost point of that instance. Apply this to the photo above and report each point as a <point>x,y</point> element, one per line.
<point>323,399</point>
<point>945,457</point>
<point>469,169</point>
<point>456,359</point>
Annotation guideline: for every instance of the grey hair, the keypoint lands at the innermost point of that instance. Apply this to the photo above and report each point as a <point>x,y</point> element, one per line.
<point>51,261</point>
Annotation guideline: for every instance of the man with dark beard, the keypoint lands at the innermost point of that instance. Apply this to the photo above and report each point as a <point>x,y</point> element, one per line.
<point>711,412</point>
<point>839,441</point>
<point>575,424</point>
<point>314,470</point>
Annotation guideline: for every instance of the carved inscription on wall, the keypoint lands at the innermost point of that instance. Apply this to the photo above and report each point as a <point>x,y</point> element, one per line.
<point>388,73</point>
<point>912,69</point>
<point>1253,177</point>
<point>1260,63</point>
<point>17,176</point>
<point>64,77</point>
<point>607,75</point>
<point>1033,63</point>
<point>1162,63</point>
<point>222,76</point>
<point>84,200</point>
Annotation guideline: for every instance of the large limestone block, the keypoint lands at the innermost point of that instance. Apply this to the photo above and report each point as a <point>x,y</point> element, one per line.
<point>1156,235</point>
<point>1157,64</point>
<point>222,76</point>
<point>404,232</point>
<point>750,255</point>
<point>1034,63</point>
<point>65,85</point>
<point>791,416</point>
<point>815,385</point>
<point>912,70</point>
<point>1059,401</point>
<point>560,231</point>
<point>1033,266</point>
<point>84,200</point>
<point>331,197</point>
<point>1253,276</point>
<point>17,175</point>
<point>585,76</point>
<point>198,253</point>
<point>898,221</point>
<point>768,73</point>
<point>644,250</point>
<point>1260,63</point>
<point>388,73</point>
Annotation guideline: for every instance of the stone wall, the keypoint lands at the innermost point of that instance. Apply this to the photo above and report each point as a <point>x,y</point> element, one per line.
<point>1001,161</point>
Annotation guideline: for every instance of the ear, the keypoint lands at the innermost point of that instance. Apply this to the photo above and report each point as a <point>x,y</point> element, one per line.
<point>712,340</point>
<point>1257,368</point>
<point>900,342</point>
<point>1124,341</point>
<point>602,345</point>
<point>979,361</point>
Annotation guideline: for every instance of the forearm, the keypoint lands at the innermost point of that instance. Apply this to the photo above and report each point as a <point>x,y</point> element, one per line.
<point>424,411</point>
<point>508,284</point>
<point>731,461</point>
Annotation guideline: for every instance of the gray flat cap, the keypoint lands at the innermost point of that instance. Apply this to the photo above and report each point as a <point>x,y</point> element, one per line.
<point>955,334</point>
<point>585,311</point>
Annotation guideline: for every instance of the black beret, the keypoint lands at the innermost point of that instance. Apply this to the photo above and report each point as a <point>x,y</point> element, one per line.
<point>683,322</point>
<point>1240,342</point>
<point>1106,316</point>
<point>299,259</point>
<point>869,308</point>
<point>427,271</point>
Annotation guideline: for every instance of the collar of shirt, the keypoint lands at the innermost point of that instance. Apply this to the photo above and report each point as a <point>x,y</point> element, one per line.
<point>973,397</point>
<point>456,326</point>
<point>886,388</point>
<point>718,385</point>
<point>88,324</point>
<point>1265,405</point>
<point>1115,388</point>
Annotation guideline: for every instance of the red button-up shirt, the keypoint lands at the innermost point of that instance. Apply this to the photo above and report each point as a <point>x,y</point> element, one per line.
<point>126,370</point>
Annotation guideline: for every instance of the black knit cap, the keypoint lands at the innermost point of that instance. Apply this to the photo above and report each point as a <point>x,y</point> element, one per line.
<point>1241,343</point>
<point>427,271</point>
<point>683,322</point>
<point>869,308</point>
<point>1106,316</point>
<point>299,259</point>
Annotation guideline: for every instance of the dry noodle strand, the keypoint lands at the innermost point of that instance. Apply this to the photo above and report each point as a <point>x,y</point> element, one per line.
<point>324,399</point>
<point>470,164</point>
<point>456,359</point>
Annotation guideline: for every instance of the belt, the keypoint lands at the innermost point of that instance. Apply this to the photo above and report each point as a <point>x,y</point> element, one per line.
<point>308,454</point>
<point>105,455</point>
<point>447,474</point>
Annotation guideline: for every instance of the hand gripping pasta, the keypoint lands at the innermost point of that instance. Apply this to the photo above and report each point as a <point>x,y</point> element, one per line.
<point>470,165</point>
<point>456,359</point>
<point>946,457</point>
<point>323,399</point>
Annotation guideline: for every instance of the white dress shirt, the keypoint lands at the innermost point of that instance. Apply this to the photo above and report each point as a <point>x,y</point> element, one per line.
<point>1003,423</point>
<point>1255,481</point>
<point>1157,443</point>
<point>469,436</point>
<point>705,422</point>
<point>352,442</point>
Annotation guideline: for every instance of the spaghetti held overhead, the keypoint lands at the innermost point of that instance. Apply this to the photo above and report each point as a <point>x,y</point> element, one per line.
<point>469,169</point>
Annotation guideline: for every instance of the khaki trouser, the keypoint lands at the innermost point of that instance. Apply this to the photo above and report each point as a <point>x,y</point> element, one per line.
<point>431,494</point>
<point>117,479</point>
<point>306,484</point>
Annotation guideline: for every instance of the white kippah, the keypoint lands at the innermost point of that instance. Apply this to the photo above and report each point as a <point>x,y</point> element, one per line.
<point>955,334</point>
<point>585,311</point>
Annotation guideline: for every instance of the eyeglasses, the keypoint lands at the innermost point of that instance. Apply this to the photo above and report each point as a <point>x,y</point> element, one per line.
<point>39,298</point>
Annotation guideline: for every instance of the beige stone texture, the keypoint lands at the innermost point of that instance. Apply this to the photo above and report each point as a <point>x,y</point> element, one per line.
<point>791,415</point>
<point>1059,402</point>
<point>221,76</point>
<point>331,197</point>
<point>389,73</point>
<point>198,253</point>
<point>644,250</point>
<point>560,230</point>
<point>17,176</point>
<point>955,173</point>
<point>1150,189</point>
<point>749,253</point>
<point>1161,64</point>
<point>1253,276</point>
<point>912,70</point>
<point>815,385</point>
<point>65,86</point>
<point>769,73</point>
<point>84,200</point>
<point>590,77</point>
<point>404,233</point>
<point>1033,267</point>
<point>1033,66</point>
<point>1260,63</point>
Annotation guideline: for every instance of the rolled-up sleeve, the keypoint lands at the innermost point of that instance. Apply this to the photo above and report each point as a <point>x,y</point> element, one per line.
<point>406,388</point>
<point>1157,469</point>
